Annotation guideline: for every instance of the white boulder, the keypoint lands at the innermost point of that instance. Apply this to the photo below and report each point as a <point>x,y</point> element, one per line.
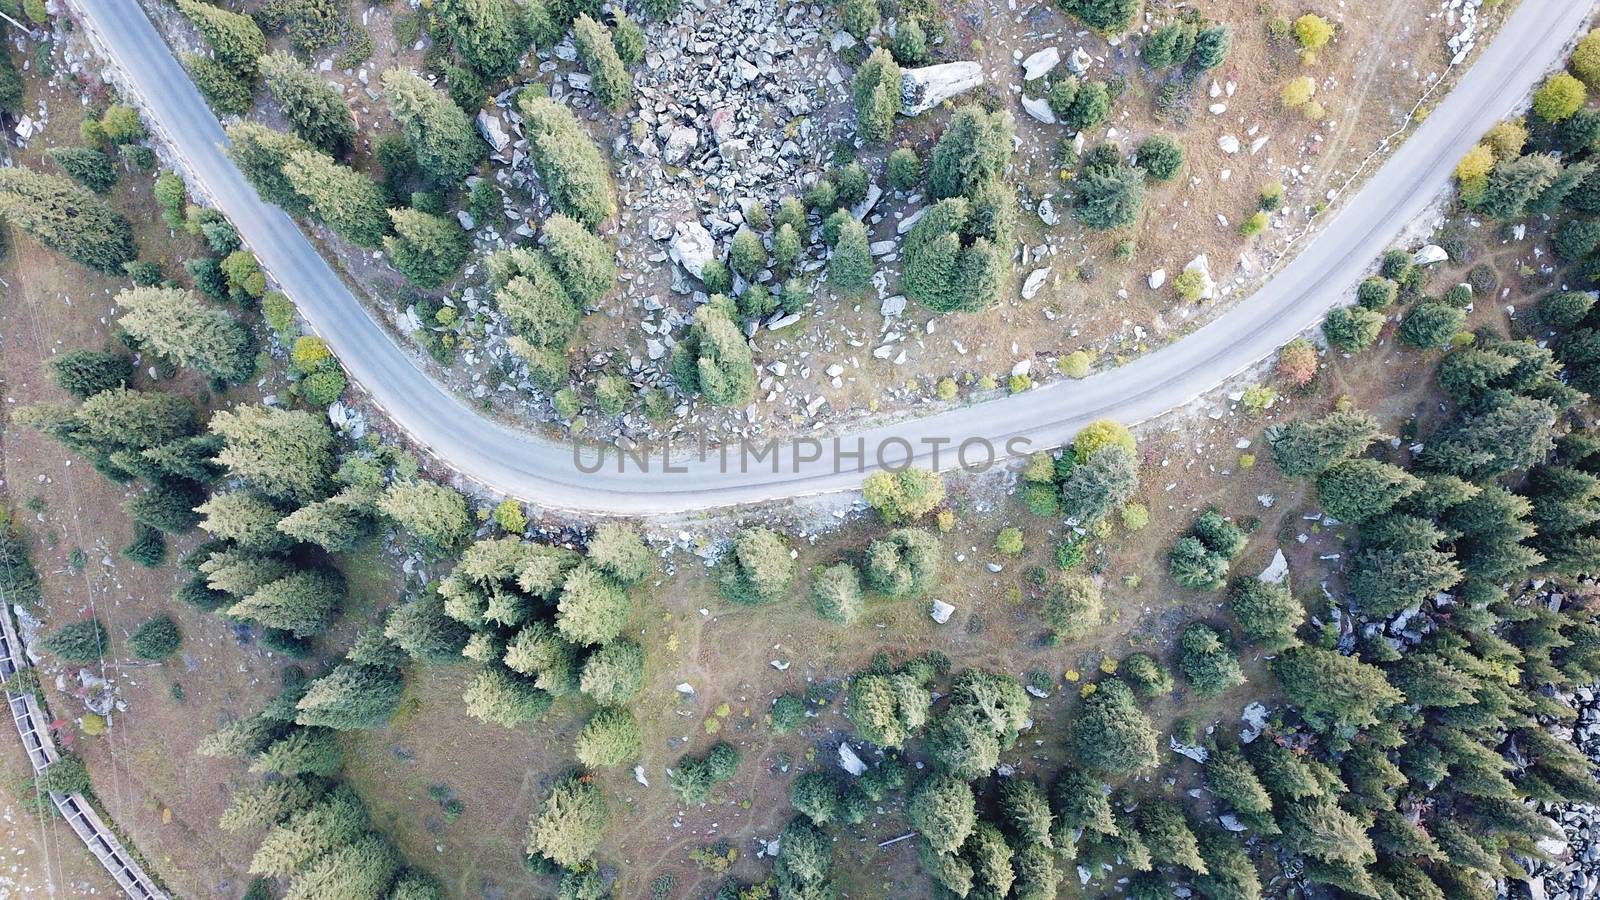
<point>1034,282</point>
<point>692,247</point>
<point>923,89</point>
<point>1039,108</point>
<point>941,611</point>
<point>1039,64</point>
<point>1430,254</point>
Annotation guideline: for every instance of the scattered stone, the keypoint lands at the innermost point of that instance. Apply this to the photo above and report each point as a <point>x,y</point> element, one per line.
<point>849,761</point>
<point>1157,279</point>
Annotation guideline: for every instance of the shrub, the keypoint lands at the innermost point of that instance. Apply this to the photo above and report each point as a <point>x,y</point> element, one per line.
<point>1559,97</point>
<point>943,809</point>
<point>1585,62</point>
<point>906,495</point>
<point>1431,325</point>
<point>628,38</point>
<point>67,775</point>
<point>1009,541</point>
<point>1299,91</point>
<point>1090,105</point>
<point>747,256</point>
<point>903,563</point>
<point>1108,16</point>
<point>713,358</point>
<point>1145,675</point>
<point>1312,32</point>
<point>1072,606</point>
<point>910,43</point>
<point>1189,285</point>
<point>1297,364</point>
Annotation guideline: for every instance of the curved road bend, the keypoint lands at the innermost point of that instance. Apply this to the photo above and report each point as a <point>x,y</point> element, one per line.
<point>543,472</point>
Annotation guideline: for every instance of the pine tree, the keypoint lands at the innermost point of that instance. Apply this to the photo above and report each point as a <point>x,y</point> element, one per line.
<point>67,218</point>
<point>363,868</point>
<point>352,697</point>
<point>942,808</point>
<point>837,593</point>
<point>156,638</point>
<point>614,674</point>
<point>887,709</point>
<point>427,250</point>
<point>876,92</point>
<point>1027,813</point>
<point>617,551</point>
<point>943,270</point>
<point>975,148</point>
<point>175,324</point>
<point>284,454</point>
<point>1355,490</point>
<point>905,495</point>
<point>850,267</point>
<point>593,609</point>
<point>609,78</point>
<point>349,202</point>
<point>81,642</point>
<point>315,109</point>
<point>1165,831</point>
<point>1080,802</point>
<point>435,513</point>
<point>261,155</point>
<point>268,803</point>
<point>491,35</point>
<point>500,696</point>
<point>1230,875</point>
<point>303,751</point>
<point>1109,197</point>
<point>1099,485</point>
<point>445,142</point>
<point>903,563</point>
<point>302,603</point>
<point>569,823</point>
<point>84,372</point>
<point>1302,448</point>
<point>713,359</point>
<point>962,744</point>
<point>236,40</point>
<point>569,164</point>
<point>1333,687</point>
<point>331,822</point>
<point>1231,777</point>
<point>87,166</point>
<point>1206,661</point>
<point>1072,606</point>
<point>338,524</point>
<point>1111,733</point>
<point>581,260</point>
<point>1267,613</point>
<point>758,568</point>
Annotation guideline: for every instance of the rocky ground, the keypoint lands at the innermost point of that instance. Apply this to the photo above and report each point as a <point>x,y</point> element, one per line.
<point>1573,872</point>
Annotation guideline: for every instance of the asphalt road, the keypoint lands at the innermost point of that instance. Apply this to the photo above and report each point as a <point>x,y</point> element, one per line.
<point>545,473</point>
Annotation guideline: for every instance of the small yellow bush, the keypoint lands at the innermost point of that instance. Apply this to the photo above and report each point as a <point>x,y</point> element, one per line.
<point>1299,91</point>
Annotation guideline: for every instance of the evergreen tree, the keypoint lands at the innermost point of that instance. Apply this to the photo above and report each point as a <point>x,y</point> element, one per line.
<point>567,160</point>
<point>331,822</point>
<point>84,372</point>
<point>887,709</point>
<point>338,524</point>
<point>948,265</point>
<point>284,454</point>
<point>1106,16</point>
<point>614,674</point>
<point>315,109</point>
<point>268,803</point>
<point>1515,184</point>
<point>87,166</point>
<point>172,322</point>
<point>435,513</point>
<point>1334,688</point>
<point>1099,485</point>
<point>261,155</point>
<point>1267,613</point>
<point>1355,490</point>
<point>491,35</point>
<point>1164,829</point>
<point>1302,448</point>
<point>850,267</point>
<point>837,592</point>
<point>875,89</point>
<point>352,697</point>
<point>593,608</point>
<point>444,140</point>
<point>349,202</point>
<point>581,260</point>
<point>713,359</point>
<point>1072,606</point>
<point>903,563</point>
<point>427,250</point>
<point>67,218</point>
<point>758,568</point>
<point>618,552</point>
<point>1206,661</point>
<point>1111,733</point>
<point>608,77</point>
<point>943,810</point>
<point>303,751</point>
<point>81,643</point>
<point>1109,197</point>
<point>363,868</point>
<point>500,696</point>
<point>975,147</point>
<point>569,823</point>
<point>1231,777</point>
<point>1230,875</point>
<point>609,738</point>
<point>236,41</point>
<point>302,603</point>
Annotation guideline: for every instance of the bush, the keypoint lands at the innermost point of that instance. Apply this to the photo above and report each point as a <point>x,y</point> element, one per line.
<point>1312,32</point>
<point>1111,735</point>
<point>1297,364</point>
<point>1377,293</point>
<point>67,775</point>
<point>788,712</point>
<point>903,496</point>
<point>1072,606</point>
<point>80,643</point>
<point>628,38</point>
<point>1299,91</point>
<point>1559,97</point>
<point>1009,541</point>
<point>155,639</point>
<point>1108,16</point>
<point>1145,675</point>
<point>569,823</point>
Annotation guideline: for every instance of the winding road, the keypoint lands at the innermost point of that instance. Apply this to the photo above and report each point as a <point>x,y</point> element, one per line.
<point>544,472</point>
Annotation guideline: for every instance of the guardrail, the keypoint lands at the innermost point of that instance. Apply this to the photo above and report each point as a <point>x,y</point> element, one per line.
<point>41,747</point>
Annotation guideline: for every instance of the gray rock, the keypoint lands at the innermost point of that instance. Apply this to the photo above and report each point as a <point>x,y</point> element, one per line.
<point>493,131</point>
<point>1039,63</point>
<point>1033,283</point>
<point>692,247</point>
<point>1039,108</point>
<point>1430,254</point>
<point>923,89</point>
<point>681,141</point>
